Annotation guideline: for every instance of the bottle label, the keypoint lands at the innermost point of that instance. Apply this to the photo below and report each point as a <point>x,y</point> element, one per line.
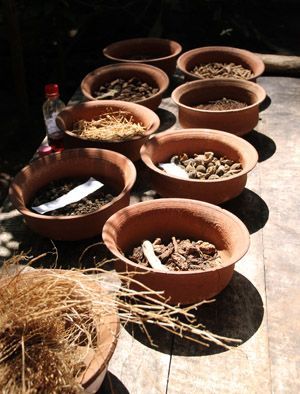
<point>51,126</point>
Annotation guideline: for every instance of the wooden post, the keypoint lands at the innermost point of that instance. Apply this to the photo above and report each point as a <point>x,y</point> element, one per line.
<point>281,65</point>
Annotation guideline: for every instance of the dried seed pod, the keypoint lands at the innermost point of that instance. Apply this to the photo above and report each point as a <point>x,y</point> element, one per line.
<point>193,174</point>
<point>213,176</point>
<point>227,161</point>
<point>200,175</point>
<point>175,159</point>
<point>183,157</point>
<point>211,170</point>
<point>236,166</point>
<point>220,170</point>
<point>190,167</point>
<point>201,168</point>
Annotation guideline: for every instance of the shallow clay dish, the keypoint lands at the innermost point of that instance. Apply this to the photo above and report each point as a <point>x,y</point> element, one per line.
<point>91,110</point>
<point>152,75</point>
<point>181,218</point>
<point>219,54</point>
<point>114,170</point>
<point>158,52</point>
<point>237,121</point>
<point>163,146</point>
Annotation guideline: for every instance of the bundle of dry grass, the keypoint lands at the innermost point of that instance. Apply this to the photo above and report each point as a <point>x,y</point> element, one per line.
<point>51,319</point>
<point>110,126</point>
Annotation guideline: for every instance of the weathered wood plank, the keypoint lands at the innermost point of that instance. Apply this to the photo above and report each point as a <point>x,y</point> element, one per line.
<point>281,189</point>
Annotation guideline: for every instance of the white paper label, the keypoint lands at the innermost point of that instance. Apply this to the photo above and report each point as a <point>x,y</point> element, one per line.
<point>51,124</point>
<point>173,169</point>
<point>73,195</point>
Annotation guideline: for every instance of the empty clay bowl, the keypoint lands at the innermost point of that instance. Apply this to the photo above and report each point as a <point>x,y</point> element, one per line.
<point>154,76</point>
<point>237,121</point>
<point>91,110</point>
<point>158,52</point>
<point>112,168</point>
<point>219,54</point>
<point>181,218</point>
<point>163,146</point>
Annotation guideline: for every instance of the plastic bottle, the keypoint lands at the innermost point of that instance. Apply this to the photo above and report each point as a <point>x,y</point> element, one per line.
<point>51,108</point>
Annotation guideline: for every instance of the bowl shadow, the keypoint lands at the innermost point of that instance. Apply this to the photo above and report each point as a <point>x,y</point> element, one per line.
<point>265,104</point>
<point>250,208</point>
<point>264,145</point>
<point>59,254</point>
<point>167,119</point>
<point>112,385</point>
<point>236,313</point>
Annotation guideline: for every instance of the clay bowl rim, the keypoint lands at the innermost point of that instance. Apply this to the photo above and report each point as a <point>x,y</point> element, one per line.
<point>237,51</point>
<point>197,132</point>
<point>53,157</point>
<point>111,46</point>
<point>257,89</point>
<point>111,323</point>
<point>168,203</point>
<point>148,68</point>
<point>122,105</point>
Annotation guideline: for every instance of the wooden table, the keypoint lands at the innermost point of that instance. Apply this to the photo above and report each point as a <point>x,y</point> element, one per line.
<point>261,304</point>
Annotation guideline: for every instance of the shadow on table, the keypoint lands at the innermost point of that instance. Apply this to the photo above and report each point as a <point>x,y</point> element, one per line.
<point>16,237</point>
<point>250,208</point>
<point>264,145</point>
<point>237,313</point>
<point>167,119</point>
<point>112,385</point>
<point>265,104</point>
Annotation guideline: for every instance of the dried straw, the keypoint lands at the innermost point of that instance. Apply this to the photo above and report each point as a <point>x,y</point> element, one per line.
<point>48,317</point>
<point>110,126</point>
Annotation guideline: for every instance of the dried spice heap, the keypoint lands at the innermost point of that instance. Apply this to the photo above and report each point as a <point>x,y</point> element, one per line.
<point>222,70</point>
<point>110,126</point>
<point>223,104</point>
<point>132,90</point>
<point>59,187</point>
<point>207,166</point>
<point>181,255</point>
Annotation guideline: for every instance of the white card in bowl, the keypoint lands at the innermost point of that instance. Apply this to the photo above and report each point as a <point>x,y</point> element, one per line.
<point>73,195</point>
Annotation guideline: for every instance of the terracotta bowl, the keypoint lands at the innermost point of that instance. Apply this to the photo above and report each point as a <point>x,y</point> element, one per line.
<point>96,360</point>
<point>152,75</point>
<point>158,52</point>
<point>236,121</point>
<point>188,60</point>
<point>182,218</point>
<point>91,110</point>
<point>112,168</point>
<point>163,146</point>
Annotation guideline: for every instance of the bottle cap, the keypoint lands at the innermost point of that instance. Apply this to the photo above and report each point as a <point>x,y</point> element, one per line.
<point>51,90</point>
<point>44,150</point>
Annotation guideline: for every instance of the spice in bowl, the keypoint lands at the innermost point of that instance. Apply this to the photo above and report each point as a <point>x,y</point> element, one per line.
<point>223,104</point>
<point>205,166</point>
<point>222,70</point>
<point>110,126</point>
<point>176,255</point>
<point>127,90</point>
